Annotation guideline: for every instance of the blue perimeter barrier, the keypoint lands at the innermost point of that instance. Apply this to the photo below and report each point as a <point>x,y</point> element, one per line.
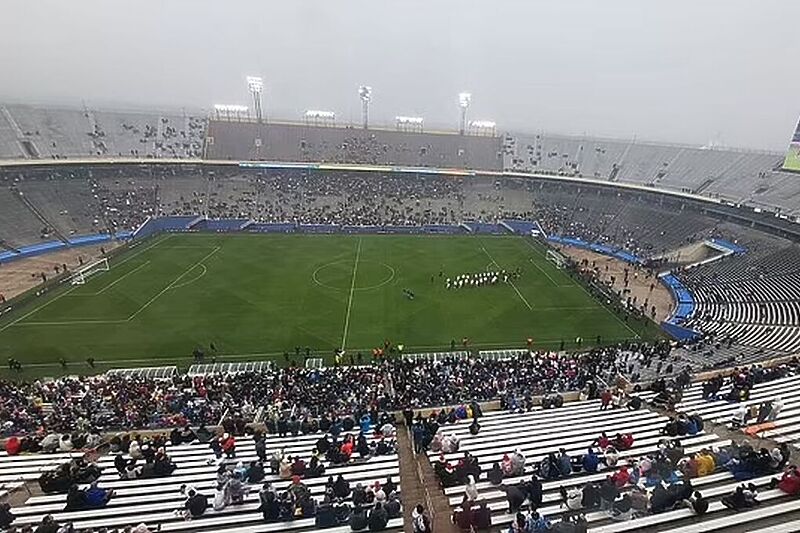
<point>685,301</point>
<point>54,246</point>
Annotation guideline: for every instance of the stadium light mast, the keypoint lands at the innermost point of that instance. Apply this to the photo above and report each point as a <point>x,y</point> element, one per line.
<point>365,93</point>
<point>464,99</point>
<point>255,85</point>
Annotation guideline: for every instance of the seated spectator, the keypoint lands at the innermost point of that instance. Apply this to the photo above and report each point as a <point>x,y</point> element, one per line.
<point>564,463</point>
<point>590,461</point>
<point>341,487</point>
<point>705,463</point>
<point>228,445</point>
<point>623,441</point>
<point>378,518</point>
<point>6,516</point>
<point>451,443</point>
<point>13,445</point>
<point>517,463</point>
<point>533,490</point>
<point>697,503</point>
<point>621,477</point>
<point>789,481</point>
<point>48,525</point>
<point>743,497</point>
<point>392,506</point>
<point>255,473</point>
<point>195,504</point>
<point>92,498</point>
<point>269,505</point>
<point>621,508</point>
<point>358,519</point>
<point>495,475</point>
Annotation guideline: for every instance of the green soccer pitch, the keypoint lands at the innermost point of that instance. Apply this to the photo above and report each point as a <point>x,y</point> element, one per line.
<point>256,296</point>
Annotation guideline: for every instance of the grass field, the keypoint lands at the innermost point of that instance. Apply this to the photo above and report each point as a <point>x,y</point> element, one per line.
<point>256,296</point>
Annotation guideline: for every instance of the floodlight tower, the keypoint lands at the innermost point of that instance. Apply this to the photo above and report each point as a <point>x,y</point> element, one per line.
<point>365,93</point>
<point>464,99</point>
<point>256,86</point>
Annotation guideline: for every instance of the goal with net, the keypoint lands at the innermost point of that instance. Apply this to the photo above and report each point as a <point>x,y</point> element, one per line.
<point>556,258</point>
<point>85,272</point>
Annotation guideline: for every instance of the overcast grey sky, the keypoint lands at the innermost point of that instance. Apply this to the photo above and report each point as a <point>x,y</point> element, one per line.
<point>677,70</point>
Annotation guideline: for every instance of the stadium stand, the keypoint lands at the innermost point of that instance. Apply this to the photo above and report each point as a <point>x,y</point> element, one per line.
<point>157,501</point>
<point>242,141</point>
<point>58,133</point>
<point>751,298</point>
<point>573,428</point>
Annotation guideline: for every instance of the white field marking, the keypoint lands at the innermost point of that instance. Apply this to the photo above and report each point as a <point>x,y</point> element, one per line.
<point>521,297</point>
<point>71,322</point>
<point>104,289</point>
<point>45,304</point>
<point>190,281</point>
<point>543,271</point>
<point>635,335</point>
<point>352,290</point>
<point>68,291</point>
<point>143,250</point>
<point>168,287</point>
<point>371,287</point>
<point>239,356</point>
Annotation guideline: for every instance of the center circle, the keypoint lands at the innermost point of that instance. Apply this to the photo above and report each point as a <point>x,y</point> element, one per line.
<point>338,275</point>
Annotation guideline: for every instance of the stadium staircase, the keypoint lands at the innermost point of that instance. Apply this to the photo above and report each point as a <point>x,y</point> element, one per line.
<point>29,147</point>
<point>38,214</point>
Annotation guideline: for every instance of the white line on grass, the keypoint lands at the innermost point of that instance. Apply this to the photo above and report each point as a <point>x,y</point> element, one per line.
<point>45,304</point>
<point>521,297</point>
<point>350,298</point>
<point>543,271</point>
<point>143,250</point>
<point>635,335</point>
<point>104,289</point>
<point>168,287</point>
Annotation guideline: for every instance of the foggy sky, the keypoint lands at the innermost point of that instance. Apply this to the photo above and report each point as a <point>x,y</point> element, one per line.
<point>674,70</point>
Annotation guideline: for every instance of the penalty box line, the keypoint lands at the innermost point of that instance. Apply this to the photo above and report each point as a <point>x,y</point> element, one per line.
<point>521,297</point>
<point>68,291</point>
<point>172,284</point>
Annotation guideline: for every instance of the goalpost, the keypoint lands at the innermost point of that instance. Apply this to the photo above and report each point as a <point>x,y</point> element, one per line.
<point>82,274</point>
<point>556,258</point>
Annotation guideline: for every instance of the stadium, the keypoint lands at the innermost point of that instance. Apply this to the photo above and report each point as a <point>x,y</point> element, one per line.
<point>228,320</point>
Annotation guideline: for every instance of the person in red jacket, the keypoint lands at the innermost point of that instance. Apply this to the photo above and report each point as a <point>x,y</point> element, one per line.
<point>621,477</point>
<point>623,441</point>
<point>228,445</point>
<point>13,445</point>
<point>789,482</point>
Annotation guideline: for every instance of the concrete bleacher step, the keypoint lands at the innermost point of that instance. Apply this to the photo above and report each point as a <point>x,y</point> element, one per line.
<point>574,426</point>
<point>154,500</point>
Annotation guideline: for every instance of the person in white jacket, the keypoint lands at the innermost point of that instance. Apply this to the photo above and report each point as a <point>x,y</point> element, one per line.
<point>471,489</point>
